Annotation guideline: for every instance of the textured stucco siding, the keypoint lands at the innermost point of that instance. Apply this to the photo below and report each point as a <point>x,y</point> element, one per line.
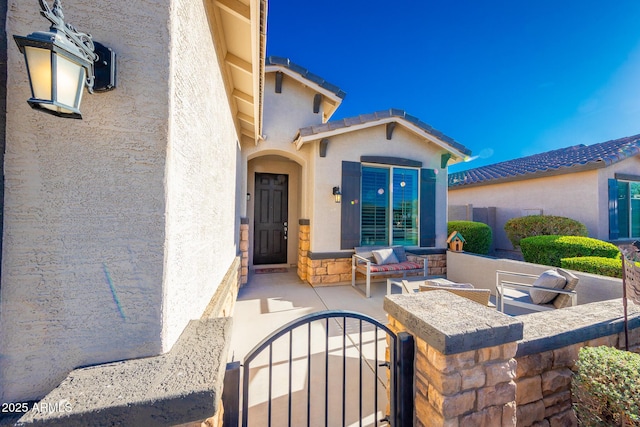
<point>82,265</point>
<point>576,195</point>
<point>202,222</point>
<point>325,218</point>
<point>285,113</point>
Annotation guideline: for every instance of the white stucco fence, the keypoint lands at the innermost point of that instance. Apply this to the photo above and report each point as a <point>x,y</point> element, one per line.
<point>481,270</point>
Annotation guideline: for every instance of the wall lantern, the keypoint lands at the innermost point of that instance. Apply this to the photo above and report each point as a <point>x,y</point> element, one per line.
<point>61,62</point>
<point>337,194</point>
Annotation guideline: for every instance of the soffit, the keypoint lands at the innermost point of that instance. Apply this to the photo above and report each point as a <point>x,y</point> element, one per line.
<point>239,31</point>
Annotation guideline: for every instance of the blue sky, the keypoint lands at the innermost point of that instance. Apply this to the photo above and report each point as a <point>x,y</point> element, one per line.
<point>505,78</point>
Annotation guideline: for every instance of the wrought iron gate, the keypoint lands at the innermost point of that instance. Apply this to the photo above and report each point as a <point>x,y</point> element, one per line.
<point>341,378</point>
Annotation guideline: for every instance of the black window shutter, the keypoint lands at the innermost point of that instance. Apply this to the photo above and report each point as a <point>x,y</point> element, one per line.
<point>614,229</point>
<point>427,208</point>
<point>350,209</point>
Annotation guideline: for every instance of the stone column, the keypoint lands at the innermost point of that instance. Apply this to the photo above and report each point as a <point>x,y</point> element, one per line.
<point>244,250</point>
<point>304,241</point>
<point>464,363</point>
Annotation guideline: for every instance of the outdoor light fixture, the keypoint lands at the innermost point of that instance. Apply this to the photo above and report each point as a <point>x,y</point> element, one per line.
<point>61,62</point>
<point>337,194</point>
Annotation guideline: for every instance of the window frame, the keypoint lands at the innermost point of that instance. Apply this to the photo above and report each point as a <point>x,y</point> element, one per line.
<point>391,168</point>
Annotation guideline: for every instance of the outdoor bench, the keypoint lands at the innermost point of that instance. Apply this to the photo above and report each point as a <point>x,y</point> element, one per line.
<point>374,261</point>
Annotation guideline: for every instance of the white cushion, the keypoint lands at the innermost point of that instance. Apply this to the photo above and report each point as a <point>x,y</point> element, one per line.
<point>385,256</point>
<point>548,279</point>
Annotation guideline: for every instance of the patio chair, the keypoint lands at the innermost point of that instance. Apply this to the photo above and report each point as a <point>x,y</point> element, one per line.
<point>481,296</point>
<point>550,290</point>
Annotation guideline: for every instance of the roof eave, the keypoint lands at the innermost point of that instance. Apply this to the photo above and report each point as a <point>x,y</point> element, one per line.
<point>544,174</point>
<point>334,100</point>
<point>301,140</point>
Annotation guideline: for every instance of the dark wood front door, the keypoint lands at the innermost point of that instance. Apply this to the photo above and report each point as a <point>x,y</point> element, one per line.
<point>270,223</point>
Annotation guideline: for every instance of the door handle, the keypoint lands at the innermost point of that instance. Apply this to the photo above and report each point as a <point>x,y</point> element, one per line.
<point>286,228</point>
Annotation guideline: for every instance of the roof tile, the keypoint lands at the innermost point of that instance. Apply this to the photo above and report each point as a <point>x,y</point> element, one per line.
<point>384,114</point>
<point>285,62</point>
<point>606,153</point>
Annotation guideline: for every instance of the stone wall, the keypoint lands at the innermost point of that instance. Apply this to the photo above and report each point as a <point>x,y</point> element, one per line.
<point>476,366</point>
<point>337,270</point>
<point>464,368</point>
<point>304,238</point>
<point>244,251</point>
<point>545,361</point>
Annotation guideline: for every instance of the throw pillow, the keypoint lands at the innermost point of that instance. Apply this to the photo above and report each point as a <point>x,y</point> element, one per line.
<point>400,253</point>
<point>548,279</point>
<point>385,256</point>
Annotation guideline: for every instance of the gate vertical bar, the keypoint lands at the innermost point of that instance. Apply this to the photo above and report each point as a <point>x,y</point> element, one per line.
<point>375,375</point>
<point>309,375</point>
<point>270,380</point>
<point>404,369</point>
<point>360,376</point>
<point>290,373</point>
<point>326,374</point>
<point>344,372</point>
<point>231,395</point>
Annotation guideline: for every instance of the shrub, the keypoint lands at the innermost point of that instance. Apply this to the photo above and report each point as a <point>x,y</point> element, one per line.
<point>606,387</point>
<point>611,267</point>
<point>549,250</point>
<point>477,235</point>
<point>542,225</point>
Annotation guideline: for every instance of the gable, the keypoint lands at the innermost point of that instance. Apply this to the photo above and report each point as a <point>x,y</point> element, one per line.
<point>391,120</point>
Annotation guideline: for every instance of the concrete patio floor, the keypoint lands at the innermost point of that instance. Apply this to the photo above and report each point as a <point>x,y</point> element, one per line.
<point>272,300</point>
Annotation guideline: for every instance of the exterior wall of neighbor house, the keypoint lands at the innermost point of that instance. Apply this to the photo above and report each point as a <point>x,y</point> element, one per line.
<point>571,195</point>
<point>325,217</point>
<point>107,220</point>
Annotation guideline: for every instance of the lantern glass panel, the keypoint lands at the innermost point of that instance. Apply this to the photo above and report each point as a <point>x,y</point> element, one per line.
<point>39,61</point>
<point>70,77</point>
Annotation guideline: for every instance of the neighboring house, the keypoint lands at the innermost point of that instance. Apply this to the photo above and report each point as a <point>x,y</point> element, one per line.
<point>389,167</point>
<point>598,185</point>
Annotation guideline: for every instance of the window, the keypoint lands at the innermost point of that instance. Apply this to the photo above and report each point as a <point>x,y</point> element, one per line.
<point>628,209</point>
<point>389,206</point>
<point>387,201</point>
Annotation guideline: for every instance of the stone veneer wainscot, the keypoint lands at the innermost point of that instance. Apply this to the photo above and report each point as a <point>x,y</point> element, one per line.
<point>476,366</point>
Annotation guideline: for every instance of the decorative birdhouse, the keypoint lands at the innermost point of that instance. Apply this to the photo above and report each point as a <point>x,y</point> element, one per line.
<point>455,241</point>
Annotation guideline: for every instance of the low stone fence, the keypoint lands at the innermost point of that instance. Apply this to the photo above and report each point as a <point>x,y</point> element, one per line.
<point>335,268</point>
<point>476,366</point>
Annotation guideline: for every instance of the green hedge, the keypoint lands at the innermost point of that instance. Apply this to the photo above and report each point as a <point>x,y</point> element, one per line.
<point>611,267</point>
<point>606,387</point>
<point>477,235</point>
<point>549,250</point>
<point>542,225</point>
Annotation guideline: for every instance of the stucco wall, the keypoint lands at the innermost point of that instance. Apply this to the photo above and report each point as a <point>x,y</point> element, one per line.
<point>325,218</point>
<point>465,267</point>
<point>202,225</point>
<point>286,112</point>
<point>119,227</point>
<point>575,195</point>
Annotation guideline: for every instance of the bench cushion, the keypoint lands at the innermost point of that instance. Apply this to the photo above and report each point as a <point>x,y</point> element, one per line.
<point>402,266</point>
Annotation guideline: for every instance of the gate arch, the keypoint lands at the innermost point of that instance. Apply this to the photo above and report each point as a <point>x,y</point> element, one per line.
<point>334,353</point>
